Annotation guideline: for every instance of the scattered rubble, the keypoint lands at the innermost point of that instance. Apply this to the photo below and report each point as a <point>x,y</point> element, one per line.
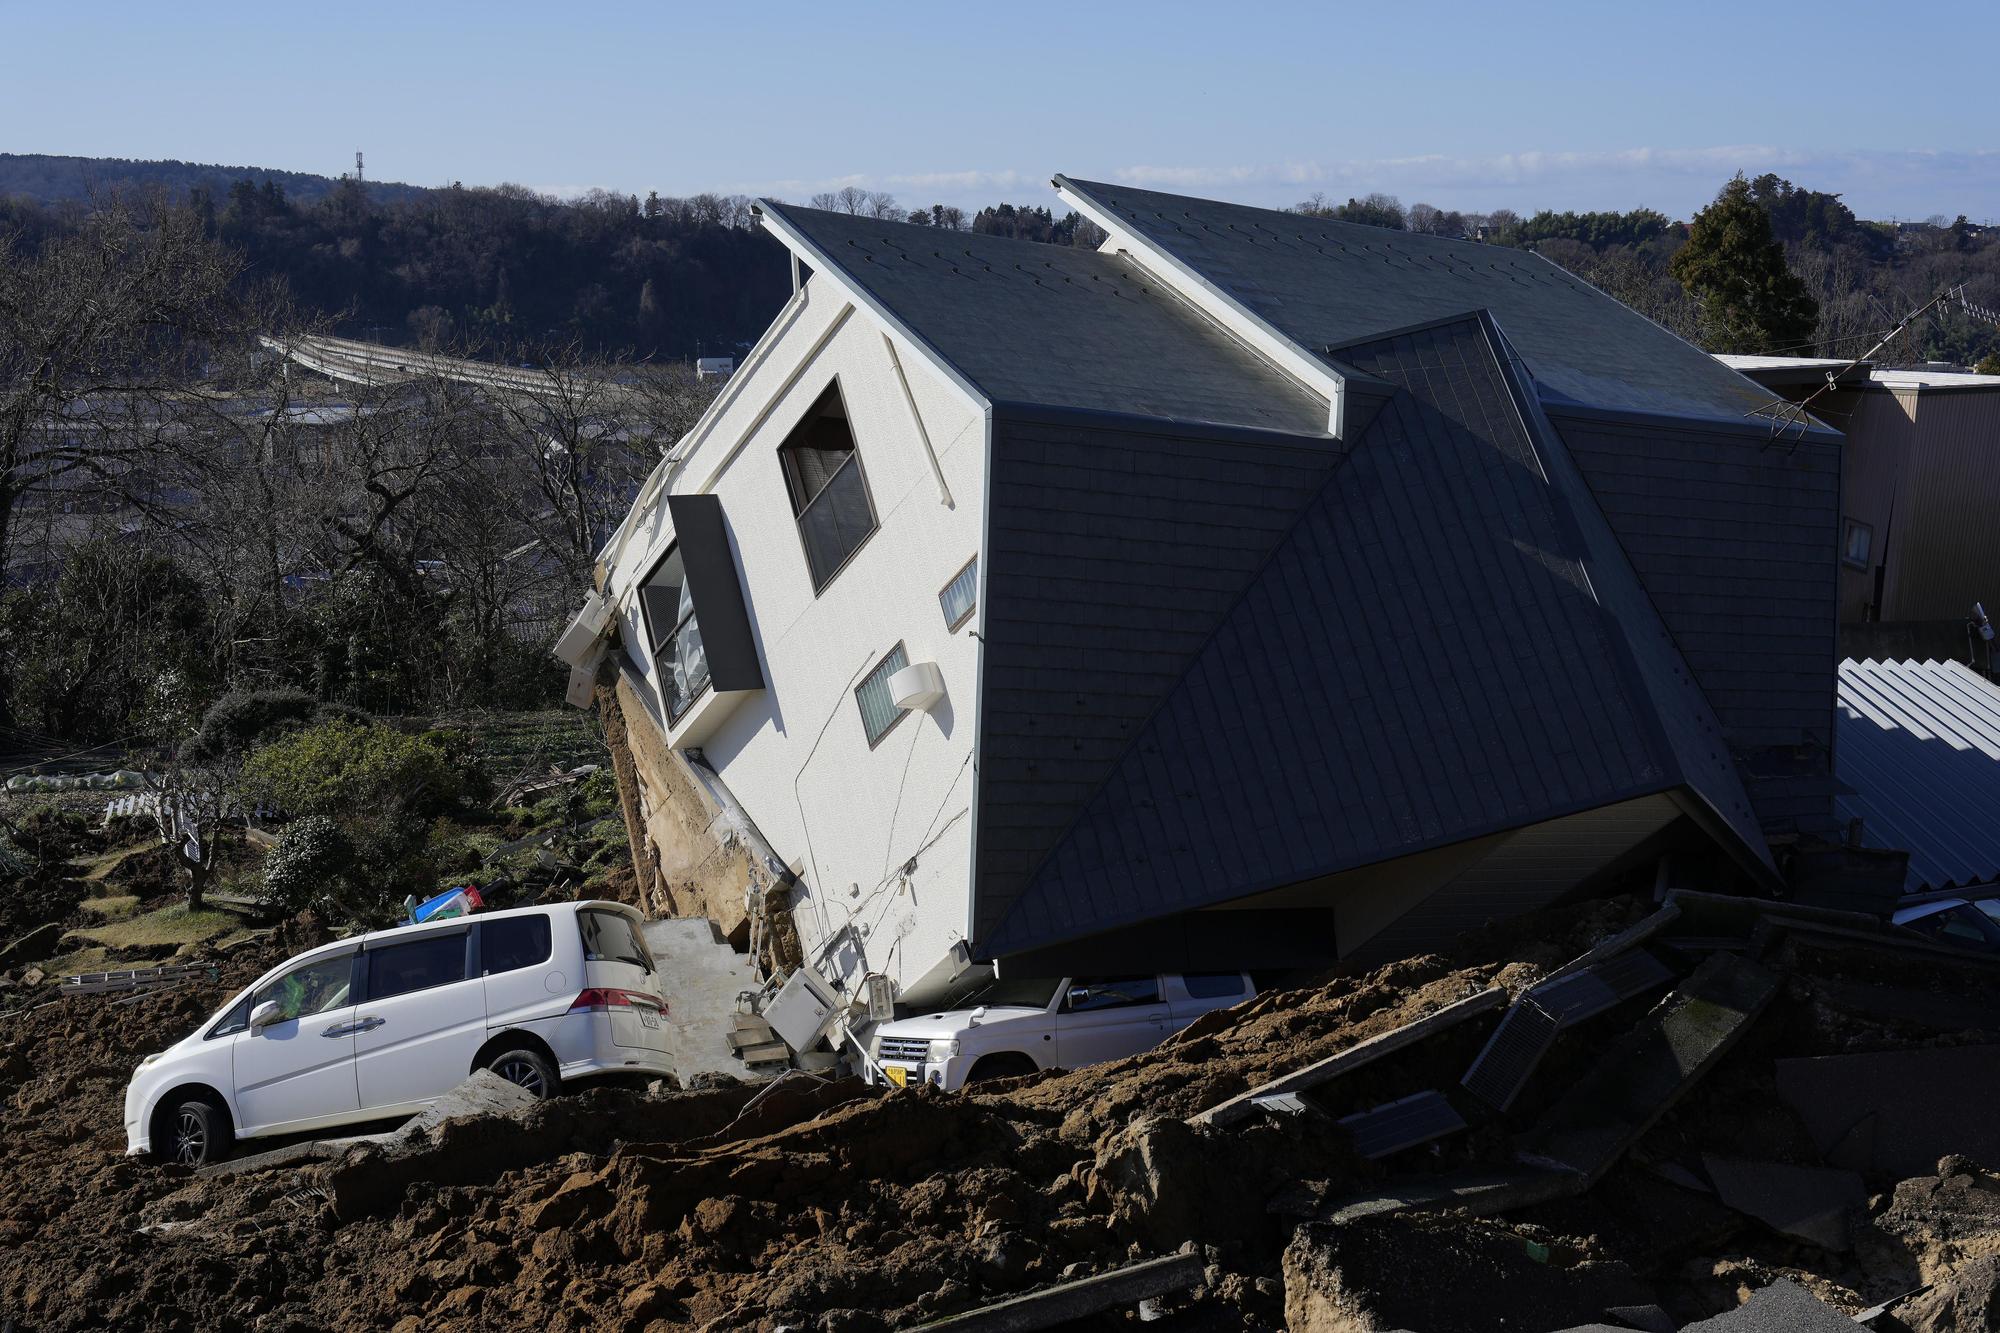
<point>828,1204</point>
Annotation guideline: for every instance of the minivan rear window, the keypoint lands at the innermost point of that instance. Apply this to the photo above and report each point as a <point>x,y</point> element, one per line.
<point>1214,985</point>
<point>612,937</point>
<point>513,942</point>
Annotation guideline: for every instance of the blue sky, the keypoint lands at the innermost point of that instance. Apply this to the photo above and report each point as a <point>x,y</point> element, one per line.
<point>1602,105</point>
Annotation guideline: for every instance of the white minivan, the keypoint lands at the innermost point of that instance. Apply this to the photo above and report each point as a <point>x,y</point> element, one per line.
<point>1022,1024</point>
<point>382,1024</point>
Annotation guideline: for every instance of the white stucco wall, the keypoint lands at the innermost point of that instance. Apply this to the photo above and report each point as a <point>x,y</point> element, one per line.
<point>795,755</point>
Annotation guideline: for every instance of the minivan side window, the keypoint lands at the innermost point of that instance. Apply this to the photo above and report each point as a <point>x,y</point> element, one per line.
<point>1091,993</point>
<point>398,969</point>
<point>1214,985</point>
<point>513,942</point>
<point>611,937</point>
<point>302,992</point>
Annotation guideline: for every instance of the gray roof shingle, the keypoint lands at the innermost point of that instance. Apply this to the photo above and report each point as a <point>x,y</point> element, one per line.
<point>1323,283</point>
<point>1447,643</point>
<point>1052,325</point>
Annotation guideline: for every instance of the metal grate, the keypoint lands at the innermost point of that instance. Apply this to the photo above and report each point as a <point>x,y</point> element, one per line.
<point>1502,1068</point>
<point>1589,992</point>
<point>1403,1123</point>
<point>914,1050</point>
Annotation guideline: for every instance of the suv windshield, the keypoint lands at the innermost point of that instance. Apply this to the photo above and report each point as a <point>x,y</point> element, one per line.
<point>1034,992</point>
<point>611,937</point>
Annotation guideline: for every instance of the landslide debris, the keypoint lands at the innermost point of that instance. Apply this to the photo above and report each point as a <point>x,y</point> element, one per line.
<point>826,1204</point>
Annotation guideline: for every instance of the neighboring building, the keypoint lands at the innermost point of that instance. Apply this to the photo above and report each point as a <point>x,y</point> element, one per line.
<point>1255,590</point>
<point>714,367</point>
<point>1922,484</point>
<point>1920,768</point>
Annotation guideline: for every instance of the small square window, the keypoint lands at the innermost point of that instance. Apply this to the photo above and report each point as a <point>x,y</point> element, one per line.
<point>1856,542</point>
<point>959,596</point>
<point>878,711</point>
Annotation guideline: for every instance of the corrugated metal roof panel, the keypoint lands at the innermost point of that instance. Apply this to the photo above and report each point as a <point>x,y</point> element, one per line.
<point>1919,757</point>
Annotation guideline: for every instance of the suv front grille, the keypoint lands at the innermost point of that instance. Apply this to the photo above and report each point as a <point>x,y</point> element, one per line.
<point>911,1050</point>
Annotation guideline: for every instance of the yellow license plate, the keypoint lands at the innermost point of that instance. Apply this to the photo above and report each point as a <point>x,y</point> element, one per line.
<point>896,1074</point>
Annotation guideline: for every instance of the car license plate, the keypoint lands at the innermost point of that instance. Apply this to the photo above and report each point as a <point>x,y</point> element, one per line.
<point>647,1016</point>
<point>896,1074</point>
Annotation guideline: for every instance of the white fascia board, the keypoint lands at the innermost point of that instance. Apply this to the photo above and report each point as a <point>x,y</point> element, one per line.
<point>824,267</point>
<point>1248,327</point>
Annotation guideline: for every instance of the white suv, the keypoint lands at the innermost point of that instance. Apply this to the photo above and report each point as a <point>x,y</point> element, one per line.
<point>1017,1026</point>
<point>382,1024</point>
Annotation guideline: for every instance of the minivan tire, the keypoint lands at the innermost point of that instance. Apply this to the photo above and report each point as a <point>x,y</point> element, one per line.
<point>529,1069</point>
<point>198,1134</point>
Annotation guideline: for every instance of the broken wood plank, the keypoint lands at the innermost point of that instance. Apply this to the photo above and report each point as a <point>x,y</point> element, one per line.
<point>1073,1300</point>
<point>1243,1105</point>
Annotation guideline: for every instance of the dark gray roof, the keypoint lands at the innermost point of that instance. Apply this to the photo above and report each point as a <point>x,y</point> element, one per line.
<point>1323,283</point>
<point>1114,547</point>
<point>1052,325</point>
<point>1447,643</point>
<point>1733,537</point>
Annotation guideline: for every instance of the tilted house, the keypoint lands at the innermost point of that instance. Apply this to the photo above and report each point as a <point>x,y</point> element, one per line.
<point>1262,589</point>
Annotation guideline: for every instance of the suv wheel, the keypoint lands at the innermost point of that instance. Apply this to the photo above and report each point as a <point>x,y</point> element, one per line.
<point>197,1134</point>
<point>529,1069</point>
<point>1000,1064</point>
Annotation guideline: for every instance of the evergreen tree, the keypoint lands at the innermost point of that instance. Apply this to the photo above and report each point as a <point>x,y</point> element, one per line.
<point>1733,266</point>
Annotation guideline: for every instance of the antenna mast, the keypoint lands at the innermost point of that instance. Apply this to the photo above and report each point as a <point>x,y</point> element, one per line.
<point>357,165</point>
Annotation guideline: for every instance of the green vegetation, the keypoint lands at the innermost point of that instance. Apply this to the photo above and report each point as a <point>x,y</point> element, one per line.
<point>1734,266</point>
<point>175,925</point>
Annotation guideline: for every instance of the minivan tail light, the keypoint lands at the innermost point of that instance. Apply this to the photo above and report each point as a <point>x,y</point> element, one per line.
<point>603,999</point>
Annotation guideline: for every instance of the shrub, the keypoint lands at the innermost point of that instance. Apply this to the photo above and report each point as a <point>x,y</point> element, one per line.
<point>313,866</point>
<point>241,719</point>
<point>354,771</point>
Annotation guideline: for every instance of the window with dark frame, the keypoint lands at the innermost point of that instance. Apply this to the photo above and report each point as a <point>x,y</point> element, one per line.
<point>1856,541</point>
<point>680,661</point>
<point>828,488</point>
<point>879,713</point>
<point>414,965</point>
<point>960,596</point>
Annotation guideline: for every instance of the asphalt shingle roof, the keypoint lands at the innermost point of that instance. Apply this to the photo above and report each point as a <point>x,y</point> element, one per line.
<point>1447,643</point>
<point>1323,283</point>
<point>1052,325</point>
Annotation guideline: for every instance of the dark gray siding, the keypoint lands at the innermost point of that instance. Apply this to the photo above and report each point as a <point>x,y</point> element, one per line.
<point>1114,549</point>
<point>1734,539</point>
<point>1424,660</point>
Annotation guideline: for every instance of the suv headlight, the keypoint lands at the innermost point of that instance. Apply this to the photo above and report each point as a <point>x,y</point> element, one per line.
<point>944,1050</point>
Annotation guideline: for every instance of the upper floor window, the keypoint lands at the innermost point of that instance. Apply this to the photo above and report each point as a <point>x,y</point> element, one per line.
<point>958,597</point>
<point>680,662</point>
<point>1856,541</point>
<point>828,490</point>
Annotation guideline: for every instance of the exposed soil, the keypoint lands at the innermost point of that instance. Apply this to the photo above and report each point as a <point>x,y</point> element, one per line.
<point>829,1205</point>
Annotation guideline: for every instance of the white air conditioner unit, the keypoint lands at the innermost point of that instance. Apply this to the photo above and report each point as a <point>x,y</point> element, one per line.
<point>802,1008</point>
<point>582,685</point>
<point>579,638</point>
<point>919,685</point>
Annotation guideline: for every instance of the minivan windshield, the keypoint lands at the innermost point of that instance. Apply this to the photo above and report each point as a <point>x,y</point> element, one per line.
<point>612,937</point>
<point>1034,992</point>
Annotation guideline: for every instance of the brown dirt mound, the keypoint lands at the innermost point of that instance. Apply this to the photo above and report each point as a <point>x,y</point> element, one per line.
<point>834,1206</point>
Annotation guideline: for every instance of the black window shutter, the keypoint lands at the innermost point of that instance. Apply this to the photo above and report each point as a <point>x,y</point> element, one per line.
<point>703,538</point>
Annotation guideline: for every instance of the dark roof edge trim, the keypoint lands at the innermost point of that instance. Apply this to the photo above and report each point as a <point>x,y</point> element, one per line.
<point>1135,423</point>
<point>1475,312</point>
<point>1758,428</point>
<point>1705,816</point>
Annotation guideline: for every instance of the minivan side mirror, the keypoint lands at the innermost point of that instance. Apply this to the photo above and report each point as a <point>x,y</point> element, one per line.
<point>265,1014</point>
<point>1079,996</point>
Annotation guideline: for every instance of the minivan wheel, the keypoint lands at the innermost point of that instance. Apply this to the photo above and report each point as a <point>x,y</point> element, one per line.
<point>529,1069</point>
<point>198,1134</point>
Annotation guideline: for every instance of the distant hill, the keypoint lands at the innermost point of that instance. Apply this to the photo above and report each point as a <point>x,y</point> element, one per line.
<point>49,179</point>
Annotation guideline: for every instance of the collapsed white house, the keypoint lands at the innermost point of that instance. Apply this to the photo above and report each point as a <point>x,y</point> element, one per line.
<point>1255,590</point>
